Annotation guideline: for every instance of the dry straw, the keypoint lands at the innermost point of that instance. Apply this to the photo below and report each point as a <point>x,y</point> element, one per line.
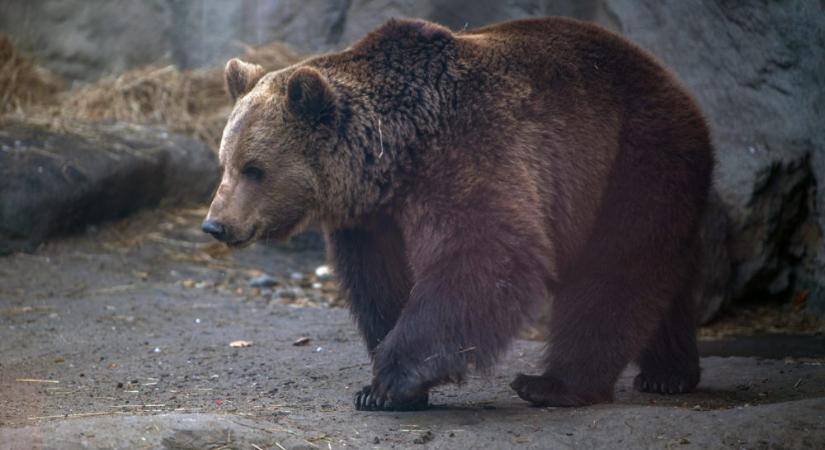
<point>23,84</point>
<point>192,101</point>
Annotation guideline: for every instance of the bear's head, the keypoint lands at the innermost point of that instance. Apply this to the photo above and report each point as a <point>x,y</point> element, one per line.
<point>269,151</point>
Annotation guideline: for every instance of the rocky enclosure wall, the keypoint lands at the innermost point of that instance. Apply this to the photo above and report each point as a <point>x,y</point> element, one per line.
<point>755,67</point>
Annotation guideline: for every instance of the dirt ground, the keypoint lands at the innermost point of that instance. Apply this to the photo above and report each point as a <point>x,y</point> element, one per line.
<point>121,338</point>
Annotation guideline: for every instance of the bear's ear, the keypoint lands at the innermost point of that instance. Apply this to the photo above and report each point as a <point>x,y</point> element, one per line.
<point>241,77</point>
<point>310,97</point>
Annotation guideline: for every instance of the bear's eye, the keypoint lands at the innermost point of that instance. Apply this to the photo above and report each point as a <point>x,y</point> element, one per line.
<point>253,173</point>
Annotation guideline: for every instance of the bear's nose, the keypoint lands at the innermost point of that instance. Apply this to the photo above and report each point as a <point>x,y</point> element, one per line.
<point>215,228</point>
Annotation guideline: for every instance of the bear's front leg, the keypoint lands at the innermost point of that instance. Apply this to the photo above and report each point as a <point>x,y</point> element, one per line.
<point>469,298</point>
<point>394,389</point>
<point>373,276</point>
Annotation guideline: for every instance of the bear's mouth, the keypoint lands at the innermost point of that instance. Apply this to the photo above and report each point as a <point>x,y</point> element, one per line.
<point>241,243</point>
<point>284,231</point>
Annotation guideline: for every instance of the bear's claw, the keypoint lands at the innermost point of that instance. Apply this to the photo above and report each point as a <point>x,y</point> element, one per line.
<point>664,384</point>
<point>367,400</point>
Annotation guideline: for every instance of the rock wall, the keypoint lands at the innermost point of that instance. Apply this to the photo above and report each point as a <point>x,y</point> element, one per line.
<point>755,67</point>
<point>84,39</point>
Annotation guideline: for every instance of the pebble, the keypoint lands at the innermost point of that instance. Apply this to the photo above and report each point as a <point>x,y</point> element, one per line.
<point>324,273</point>
<point>263,281</point>
<point>288,292</point>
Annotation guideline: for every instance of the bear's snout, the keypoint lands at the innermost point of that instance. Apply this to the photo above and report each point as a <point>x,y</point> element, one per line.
<point>215,228</point>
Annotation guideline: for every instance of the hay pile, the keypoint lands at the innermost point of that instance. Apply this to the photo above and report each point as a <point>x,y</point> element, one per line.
<point>190,102</point>
<point>194,102</point>
<point>23,85</point>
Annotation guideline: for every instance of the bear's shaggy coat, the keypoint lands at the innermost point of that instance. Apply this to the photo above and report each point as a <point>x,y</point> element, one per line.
<point>463,179</point>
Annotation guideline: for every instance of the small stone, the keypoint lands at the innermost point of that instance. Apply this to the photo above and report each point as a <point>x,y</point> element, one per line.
<point>324,273</point>
<point>424,438</point>
<point>376,441</point>
<point>290,293</point>
<point>263,281</point>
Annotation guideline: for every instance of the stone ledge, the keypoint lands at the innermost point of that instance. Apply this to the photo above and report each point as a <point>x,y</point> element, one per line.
<point>53,182</point>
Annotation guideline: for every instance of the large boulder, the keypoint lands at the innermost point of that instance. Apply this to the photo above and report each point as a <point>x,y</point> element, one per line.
<point>56,182</point>
<point>87,39</point>
<point>756,69</point>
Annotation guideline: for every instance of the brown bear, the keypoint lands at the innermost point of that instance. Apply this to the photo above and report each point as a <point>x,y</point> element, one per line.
<point>463,179</point>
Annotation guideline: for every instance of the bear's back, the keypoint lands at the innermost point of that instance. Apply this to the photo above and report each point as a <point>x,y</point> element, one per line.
<point>586,100</point>
<point>557,50</point>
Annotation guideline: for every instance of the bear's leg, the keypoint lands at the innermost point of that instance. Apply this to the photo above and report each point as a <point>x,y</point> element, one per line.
<point>472,291</point>
<point>670,361</point>
<point>599,323</point>
<point>372,272</point>
<point>612,300</point>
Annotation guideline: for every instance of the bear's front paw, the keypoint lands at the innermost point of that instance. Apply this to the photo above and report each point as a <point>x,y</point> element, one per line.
<point>547,390</point>
<point>368,399</point>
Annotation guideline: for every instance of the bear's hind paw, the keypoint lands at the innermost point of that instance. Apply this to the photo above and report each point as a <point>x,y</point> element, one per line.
<point>546,390</point>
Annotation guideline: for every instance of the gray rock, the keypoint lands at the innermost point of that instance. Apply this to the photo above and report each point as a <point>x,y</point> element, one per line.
<point>87,39</point>
<point>84,39</point>
<point>290,293</point>
<point>52,183</point>
<point>756,70</point>
<point>266,281</point>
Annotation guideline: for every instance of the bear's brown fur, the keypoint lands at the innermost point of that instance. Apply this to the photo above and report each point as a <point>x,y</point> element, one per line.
<point>463,178</point>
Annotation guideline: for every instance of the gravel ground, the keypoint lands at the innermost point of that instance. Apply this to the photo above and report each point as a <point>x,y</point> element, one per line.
<point>120,338</point>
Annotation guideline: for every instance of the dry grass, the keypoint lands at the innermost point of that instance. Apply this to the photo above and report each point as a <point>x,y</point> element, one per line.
<point>155,95</point>
<point>23,84</point>
<point>775,319</point>
<point>194,102</point>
